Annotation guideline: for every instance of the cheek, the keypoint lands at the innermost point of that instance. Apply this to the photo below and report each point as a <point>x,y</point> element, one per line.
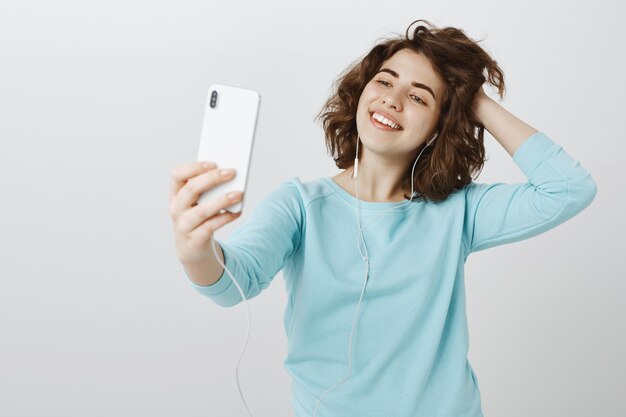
<point>369,91</point>
<point>368,95</point>
<point>363,97</point>
<point>363,104</point>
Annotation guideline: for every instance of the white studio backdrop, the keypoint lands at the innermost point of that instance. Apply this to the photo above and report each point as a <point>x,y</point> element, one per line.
<point>100,100</point>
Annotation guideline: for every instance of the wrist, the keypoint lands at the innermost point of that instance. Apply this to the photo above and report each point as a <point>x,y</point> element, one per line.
<point>482,109</point>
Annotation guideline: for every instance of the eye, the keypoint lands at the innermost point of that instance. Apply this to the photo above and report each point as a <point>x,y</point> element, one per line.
<point>419,99</point>
<point>416,98</point>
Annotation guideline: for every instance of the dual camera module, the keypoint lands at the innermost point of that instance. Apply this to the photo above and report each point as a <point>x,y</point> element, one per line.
<point>213,100</point>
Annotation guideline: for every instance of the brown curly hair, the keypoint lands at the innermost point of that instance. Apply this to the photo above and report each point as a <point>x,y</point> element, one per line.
<point>449,163</point>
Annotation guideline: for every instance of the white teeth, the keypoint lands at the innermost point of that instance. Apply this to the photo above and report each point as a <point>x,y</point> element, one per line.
<point>386,121</point>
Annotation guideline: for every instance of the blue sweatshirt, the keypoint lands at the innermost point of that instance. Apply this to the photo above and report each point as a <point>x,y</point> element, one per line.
<point>410,343</point>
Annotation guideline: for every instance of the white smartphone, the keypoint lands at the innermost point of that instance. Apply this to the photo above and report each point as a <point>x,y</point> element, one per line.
<point>228,130</point>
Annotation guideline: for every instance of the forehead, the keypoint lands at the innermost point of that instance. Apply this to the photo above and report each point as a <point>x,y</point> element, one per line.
<point>412,66</point>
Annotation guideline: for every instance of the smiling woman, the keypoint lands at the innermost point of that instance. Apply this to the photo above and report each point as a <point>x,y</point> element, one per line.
<point>411,100</point>
<point>425,82</point>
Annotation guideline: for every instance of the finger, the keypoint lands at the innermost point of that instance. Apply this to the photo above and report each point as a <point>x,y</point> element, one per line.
<point>205,230</point>
<point>181,174</point>
<point>197,215</point>
<point>189,194</point>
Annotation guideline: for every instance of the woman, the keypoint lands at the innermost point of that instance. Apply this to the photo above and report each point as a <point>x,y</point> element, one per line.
<point>373,257</point>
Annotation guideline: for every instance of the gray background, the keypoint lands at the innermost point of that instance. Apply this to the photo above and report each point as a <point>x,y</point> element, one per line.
<point>99,100</point>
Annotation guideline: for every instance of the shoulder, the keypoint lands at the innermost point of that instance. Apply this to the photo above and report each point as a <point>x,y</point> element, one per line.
<point>304,192</point>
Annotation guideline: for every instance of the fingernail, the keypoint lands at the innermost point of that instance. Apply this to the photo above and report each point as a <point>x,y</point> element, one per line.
<point>226,172</point>
<point>234,195</point>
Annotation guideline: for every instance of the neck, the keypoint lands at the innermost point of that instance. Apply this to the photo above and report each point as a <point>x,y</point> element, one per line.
<point>376,185</point>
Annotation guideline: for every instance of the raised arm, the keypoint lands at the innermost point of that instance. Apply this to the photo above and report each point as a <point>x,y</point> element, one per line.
<point>558,187</point>
<point>507,129</point>
<point>256,251</point>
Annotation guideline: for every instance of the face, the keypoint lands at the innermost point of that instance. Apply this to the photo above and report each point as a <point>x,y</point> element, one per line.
<point>400,93</point>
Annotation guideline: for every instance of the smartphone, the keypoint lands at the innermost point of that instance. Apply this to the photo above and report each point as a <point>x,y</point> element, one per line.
<point>228,130</point>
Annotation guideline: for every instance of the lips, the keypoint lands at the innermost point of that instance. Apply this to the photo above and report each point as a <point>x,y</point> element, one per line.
<point>386,115</point>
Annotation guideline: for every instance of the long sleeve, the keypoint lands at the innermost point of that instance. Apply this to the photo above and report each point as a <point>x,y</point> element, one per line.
<point>256,251</point>
<point>558,188</point>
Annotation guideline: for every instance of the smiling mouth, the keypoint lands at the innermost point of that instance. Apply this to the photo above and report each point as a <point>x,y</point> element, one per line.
<point>383,126</point>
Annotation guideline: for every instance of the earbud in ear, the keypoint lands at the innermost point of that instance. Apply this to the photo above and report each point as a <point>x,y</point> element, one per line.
<point>432,140</point>
<point>355,172</point>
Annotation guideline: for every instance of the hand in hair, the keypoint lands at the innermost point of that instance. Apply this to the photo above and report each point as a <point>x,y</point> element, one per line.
<point>479,98</point>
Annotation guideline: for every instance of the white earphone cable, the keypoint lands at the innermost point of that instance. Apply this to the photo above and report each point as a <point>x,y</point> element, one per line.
<point>243,297</point>
<point>366,257</point>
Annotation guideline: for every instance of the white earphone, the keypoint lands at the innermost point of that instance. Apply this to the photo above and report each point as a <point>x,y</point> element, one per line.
<point>365,257</point>
<point>356,160</point>
<point>432,140</point>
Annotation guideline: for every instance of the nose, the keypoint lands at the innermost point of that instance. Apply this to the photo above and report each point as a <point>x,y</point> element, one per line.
<point>390,101</point>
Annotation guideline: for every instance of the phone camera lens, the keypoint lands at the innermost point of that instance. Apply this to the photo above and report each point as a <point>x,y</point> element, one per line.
<point>213,99</point>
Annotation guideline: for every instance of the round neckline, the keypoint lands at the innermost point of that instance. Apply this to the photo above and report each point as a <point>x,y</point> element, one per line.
<point>366,205</point>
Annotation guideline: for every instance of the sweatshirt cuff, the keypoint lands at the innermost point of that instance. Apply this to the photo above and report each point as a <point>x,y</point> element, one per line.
<point>224,282</point>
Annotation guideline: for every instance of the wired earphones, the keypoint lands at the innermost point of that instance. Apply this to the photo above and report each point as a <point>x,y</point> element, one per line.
<point>366,257</point>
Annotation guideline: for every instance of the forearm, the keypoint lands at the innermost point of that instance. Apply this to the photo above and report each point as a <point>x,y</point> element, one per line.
<point>504,126</point>
<point>208,271</point>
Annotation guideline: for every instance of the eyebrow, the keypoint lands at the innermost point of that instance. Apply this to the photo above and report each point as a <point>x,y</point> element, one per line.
<point>414,83</point>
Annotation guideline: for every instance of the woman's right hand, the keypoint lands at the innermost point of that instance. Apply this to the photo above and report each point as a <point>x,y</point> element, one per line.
<point>194,224</point>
